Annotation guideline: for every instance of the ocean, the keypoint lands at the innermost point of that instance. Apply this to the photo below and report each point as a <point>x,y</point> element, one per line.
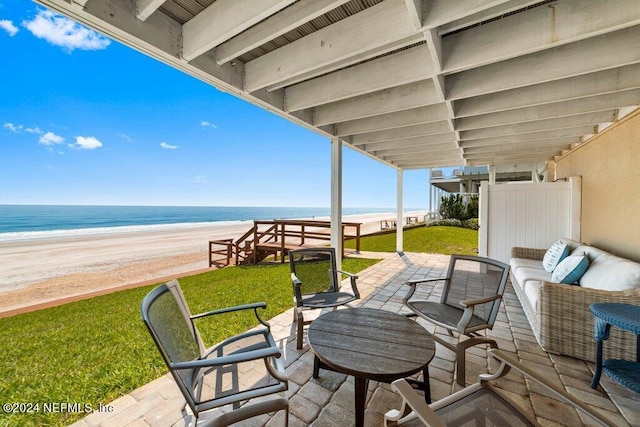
<point>18,222</point>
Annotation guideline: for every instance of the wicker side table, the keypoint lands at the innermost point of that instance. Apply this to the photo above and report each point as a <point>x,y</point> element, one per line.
<point>623,316</point>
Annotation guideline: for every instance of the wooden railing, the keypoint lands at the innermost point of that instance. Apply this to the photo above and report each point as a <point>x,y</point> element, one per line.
<point>278,237</point>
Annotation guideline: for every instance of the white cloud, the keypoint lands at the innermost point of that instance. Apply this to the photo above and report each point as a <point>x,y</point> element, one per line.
<point>87,143</point>
<point>206,124</point>
<point>200,179</point>
<point>51,138</point>
<point>8,26</point>
<point>33,130</point>
<point>126,137</point>
<point>168,146</point>
<point>12,127</point>
<point>63,32</point>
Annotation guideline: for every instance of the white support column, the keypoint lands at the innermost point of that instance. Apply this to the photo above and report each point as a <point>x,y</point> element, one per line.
<point>336,199</point>
<point>430,187</point>
<point>492,175</point>
<point>399,227</point>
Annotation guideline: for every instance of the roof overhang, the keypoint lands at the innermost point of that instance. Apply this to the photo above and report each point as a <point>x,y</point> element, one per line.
<point>414,84</point>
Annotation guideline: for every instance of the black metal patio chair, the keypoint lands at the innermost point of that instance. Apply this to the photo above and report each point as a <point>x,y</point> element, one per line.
<point>212,378</point>
<point>470,300</point>
<point>480,404</point>
<point>316,284</point>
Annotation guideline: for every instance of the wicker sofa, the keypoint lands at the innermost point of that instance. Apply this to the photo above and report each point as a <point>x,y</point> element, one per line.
<point>559,313</point>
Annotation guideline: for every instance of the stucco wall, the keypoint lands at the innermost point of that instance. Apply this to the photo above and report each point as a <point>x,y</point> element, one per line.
<point>609,165</point>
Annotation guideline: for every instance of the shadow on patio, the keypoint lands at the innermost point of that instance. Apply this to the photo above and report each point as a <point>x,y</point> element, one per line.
<point>328,400</point>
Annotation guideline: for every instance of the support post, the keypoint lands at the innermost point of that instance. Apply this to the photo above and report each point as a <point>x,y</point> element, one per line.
<point>399,227</point>
<point>336,199</point>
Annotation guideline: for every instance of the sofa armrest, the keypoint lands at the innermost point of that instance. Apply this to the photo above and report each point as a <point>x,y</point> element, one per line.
<point>528,253</point>
<point>566,324</point>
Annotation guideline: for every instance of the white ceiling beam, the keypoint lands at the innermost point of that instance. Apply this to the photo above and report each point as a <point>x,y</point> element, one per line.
<point>539,125</point>
<point>222,20</point>
<point>408,153</point>
<point>414,7</point>
<point>540,28</point>
<point>533,142</point>
<point>144,8</point>
<point>533,136</point>
<point>356,59</point>
<point>386,101</point>
<point>483,15</point>
<point>403,132</point>
<point>281,23</point>
<point>374,27</point>
<point>425,157</point>
<point>510,149</point>
<point>439,12</point>
<point>428,163</point>
<point>407,66</point>
<point>510,160</point>
<point>556,109</point>
<point>602,82</point>
<point>587,56</point>
<point>428,114</point>
<point>442,140</point>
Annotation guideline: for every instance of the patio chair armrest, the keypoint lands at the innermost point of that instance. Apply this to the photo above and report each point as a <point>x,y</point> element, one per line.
<point>472,302</point>
<point>413,284</point>
<point>231,359</point>
<point>347,273</point>
<point>253,306</point>
<point>352,280</point>
<point>297,283</point>
<point>469,306</point>
<point>511,361</point>
<point>425,280</point>
<point>416,403</point>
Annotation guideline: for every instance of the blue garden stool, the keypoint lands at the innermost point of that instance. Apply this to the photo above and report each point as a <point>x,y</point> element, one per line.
<point>623,316</point>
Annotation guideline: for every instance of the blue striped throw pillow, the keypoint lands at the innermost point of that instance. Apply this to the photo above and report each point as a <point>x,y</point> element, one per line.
<point>556,253</point>
<point>570,269</point>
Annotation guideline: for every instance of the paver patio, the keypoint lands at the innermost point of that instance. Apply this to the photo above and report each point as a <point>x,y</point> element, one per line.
<point>328,400</point>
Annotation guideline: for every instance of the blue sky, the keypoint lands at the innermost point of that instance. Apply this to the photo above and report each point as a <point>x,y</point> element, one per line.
<point>85,120</point>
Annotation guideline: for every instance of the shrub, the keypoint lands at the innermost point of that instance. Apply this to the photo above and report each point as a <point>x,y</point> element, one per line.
<point>471,224</point>
<point>454,206</point>
<point>445,222</point>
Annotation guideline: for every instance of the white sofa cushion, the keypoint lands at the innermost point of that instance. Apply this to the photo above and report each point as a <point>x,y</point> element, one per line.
<point>524,274</point>
<point>532,291</point>
<point>611,273</point>
<point>517,263</point>
<point>590,251</point>
<point>556,253</point>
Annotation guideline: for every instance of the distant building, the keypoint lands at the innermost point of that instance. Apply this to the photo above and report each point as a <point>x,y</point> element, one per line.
<point>466,180</point>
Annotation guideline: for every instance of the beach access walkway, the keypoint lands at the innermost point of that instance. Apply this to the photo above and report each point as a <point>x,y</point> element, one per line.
<point>328,400</point>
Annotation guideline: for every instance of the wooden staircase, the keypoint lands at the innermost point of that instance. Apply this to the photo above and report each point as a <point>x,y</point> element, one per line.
<point>276,238</point>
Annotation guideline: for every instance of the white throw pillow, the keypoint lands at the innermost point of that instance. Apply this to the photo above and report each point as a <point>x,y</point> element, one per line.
<point>556,253</point>
<point>570,269</point>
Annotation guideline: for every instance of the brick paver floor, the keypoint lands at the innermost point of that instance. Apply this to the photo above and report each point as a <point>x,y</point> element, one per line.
<point>328,400</point>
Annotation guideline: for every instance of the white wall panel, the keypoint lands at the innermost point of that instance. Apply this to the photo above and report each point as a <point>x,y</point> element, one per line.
<point>527,214</point>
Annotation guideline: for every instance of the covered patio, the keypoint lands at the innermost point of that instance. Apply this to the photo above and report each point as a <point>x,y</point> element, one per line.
<point>328,400</point>
<point>417,84</point>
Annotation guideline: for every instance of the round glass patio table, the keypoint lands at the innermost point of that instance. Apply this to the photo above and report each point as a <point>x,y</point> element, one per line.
<point>370,345</point>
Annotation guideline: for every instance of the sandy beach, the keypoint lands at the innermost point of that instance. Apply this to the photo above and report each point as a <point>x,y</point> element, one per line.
<point>42,272</point>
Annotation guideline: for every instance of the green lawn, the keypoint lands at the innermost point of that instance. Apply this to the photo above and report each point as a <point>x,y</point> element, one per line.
<point>93,351</point>
<point>438,240</point>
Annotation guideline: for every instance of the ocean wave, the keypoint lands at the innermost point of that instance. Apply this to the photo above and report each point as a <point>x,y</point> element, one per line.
<point>95,231</point>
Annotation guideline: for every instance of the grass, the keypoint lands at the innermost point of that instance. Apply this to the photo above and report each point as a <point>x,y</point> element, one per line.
<point>93,351</point>
<point>438,240</point>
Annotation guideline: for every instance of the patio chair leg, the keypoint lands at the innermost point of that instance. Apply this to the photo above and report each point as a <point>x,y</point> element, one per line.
<point>461,349</point>
<point>299,321</point>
